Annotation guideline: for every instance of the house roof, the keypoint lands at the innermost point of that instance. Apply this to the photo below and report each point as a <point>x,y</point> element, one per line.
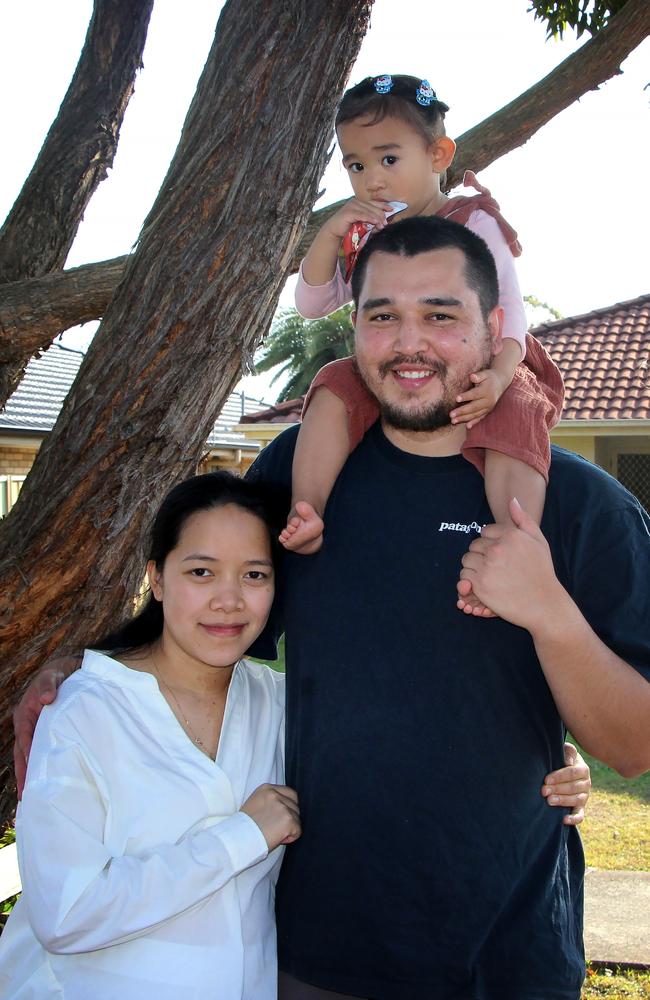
<point>604,357</point>
<point>35,405</point>
<point>288,412</point>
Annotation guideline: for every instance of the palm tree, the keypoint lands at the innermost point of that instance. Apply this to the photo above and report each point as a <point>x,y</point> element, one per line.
<point>303,346</point>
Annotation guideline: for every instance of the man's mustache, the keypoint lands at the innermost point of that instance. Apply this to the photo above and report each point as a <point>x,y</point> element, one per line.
<point>417,360</point>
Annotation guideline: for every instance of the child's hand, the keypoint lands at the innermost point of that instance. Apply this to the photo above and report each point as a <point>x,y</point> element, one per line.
<point>478,402</point>
<point>569,786</point>
<point>354,210</point>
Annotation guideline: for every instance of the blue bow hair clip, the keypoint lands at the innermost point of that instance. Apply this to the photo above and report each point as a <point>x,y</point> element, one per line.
<point>383,84</point>
<point>425,94</point>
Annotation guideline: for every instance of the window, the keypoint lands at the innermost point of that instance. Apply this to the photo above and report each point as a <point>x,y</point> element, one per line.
<point>633,471</point>
<point>9,490</point>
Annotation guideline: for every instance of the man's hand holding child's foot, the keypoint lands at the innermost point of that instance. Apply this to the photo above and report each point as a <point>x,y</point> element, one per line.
<point>469,603</point>
<point>304,530</point>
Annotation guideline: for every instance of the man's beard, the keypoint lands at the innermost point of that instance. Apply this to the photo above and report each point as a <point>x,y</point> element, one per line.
<point>432,416</point>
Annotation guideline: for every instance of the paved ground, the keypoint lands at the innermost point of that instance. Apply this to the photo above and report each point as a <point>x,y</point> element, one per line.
<point>617,916</point>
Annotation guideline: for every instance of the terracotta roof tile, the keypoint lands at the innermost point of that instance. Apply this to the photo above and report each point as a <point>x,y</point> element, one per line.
<point>604,357</point>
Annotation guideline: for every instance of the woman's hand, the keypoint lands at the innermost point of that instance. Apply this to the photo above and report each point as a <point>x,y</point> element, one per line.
<point>275,810</point>
<point>570,786</point>
<point>41,691</point>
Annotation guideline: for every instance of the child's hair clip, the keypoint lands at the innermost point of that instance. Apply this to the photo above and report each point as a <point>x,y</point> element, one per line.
<point>383,84</point>
<point>425,94</point>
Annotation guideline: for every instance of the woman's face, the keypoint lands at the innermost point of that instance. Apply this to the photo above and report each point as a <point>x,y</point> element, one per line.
<point>216,586</point>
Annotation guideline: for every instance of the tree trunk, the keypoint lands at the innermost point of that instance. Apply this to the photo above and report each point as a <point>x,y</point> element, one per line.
<point>212,259</point>
<point>32,313</point>
<point>75,157</point>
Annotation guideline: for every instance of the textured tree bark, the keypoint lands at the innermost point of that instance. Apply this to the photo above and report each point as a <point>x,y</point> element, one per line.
<point>76,155</point>
<point>204,282</point>
<point>33,313</point>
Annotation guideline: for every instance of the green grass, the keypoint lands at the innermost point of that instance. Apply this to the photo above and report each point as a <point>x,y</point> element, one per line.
<point>616,984</point>
<point>616,831</point>
<point>7,905</point>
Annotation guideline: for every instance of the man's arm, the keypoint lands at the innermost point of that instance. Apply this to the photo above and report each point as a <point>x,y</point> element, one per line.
<point>41,691</point>
<point>603,700</point>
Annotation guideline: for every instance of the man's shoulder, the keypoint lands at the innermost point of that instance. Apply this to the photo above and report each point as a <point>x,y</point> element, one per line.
<point>577,486</point>
<point>273,464</point>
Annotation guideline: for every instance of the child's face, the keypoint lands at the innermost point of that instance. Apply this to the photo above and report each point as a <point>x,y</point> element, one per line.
<point>390,161</point>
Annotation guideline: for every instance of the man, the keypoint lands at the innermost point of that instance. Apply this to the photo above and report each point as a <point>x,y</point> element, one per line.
<point>427,867</point>
<point>418,737</point>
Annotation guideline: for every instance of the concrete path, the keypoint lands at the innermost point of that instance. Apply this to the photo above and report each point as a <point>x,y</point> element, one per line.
<point>617,917</point>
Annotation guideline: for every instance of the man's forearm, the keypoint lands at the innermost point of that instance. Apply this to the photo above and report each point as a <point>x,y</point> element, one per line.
<point>604,701</point>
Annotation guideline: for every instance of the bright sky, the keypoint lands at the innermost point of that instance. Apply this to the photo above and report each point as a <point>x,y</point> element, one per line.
<point>574,192</point>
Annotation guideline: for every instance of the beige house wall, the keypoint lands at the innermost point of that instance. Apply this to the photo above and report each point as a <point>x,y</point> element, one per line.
<point>580,445</point>
<point>16,461</point>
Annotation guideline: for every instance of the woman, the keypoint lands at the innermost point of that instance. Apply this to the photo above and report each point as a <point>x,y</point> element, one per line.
<point>150,828</point>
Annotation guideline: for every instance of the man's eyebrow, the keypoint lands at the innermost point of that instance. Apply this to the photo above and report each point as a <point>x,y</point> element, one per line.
<point>435,301</point>
<point>427,300</point>
<point>375,303</point>
<point>350,157</point>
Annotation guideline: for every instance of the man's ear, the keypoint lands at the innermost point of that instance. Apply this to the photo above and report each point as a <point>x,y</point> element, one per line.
<point>495,328</point>
<point>442,153</point>
<point>353,318</point>
<point>154,577</point>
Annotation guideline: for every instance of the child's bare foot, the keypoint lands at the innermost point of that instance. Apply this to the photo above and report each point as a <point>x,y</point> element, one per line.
<point>304,530</point>
<point>469,603</point>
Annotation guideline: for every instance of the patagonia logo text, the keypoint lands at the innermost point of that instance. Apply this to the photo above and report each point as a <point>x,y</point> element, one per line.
<point>465,528</point>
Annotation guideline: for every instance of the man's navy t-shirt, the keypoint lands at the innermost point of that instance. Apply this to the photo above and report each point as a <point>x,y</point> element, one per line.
<point>418,738</point>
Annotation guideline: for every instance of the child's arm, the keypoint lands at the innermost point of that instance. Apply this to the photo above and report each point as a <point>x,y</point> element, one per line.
<point>511,459</point>
<point>490,384</point>
<point>569,786</point>
<point>505,476</point>
<point>319,265</point>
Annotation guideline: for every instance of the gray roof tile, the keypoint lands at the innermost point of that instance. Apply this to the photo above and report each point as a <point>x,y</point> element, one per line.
<point>35,405</point>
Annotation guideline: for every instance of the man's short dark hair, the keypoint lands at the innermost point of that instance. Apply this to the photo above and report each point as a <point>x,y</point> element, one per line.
<point>423,233</point>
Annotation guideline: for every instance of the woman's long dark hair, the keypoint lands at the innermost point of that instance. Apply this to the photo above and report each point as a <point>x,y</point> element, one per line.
<point>215,489</point>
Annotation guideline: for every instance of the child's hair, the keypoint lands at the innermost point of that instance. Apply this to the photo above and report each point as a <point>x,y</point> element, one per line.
<point>215,489</point>
<point>404,97</point>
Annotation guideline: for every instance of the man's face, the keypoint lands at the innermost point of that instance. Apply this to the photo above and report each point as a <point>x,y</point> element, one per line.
<point>419,334</point>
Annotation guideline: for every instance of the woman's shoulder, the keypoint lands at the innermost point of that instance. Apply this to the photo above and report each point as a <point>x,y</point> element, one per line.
<point>263,677</point>
<point>88,694</point>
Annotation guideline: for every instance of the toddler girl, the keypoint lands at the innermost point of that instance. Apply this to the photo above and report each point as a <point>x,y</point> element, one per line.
<point>391,133</point>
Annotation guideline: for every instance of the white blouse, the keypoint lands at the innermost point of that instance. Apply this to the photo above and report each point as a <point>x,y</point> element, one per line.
<point>141,879</point>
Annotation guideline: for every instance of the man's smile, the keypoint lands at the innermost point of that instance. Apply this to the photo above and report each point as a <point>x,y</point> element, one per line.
<point>414,375</point>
